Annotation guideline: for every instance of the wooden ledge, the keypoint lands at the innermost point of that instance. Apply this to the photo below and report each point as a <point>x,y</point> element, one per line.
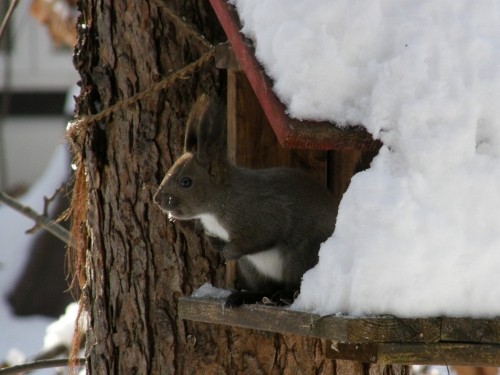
<point>373,339</point>
<point>291,133</point>
<point>446,354</point>
<point>336,328</point>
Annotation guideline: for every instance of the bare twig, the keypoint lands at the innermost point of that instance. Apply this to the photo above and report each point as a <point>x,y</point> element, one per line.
<point>54,228</point>
<point>47,201</point>
<point>37,365</point>
<point>7,17</point>
<point>52,353</point>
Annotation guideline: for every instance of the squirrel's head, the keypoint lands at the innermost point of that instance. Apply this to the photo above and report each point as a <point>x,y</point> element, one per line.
<point>192,184</point>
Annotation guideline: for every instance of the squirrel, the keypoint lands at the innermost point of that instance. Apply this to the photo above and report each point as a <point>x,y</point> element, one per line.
<point>271,221</point>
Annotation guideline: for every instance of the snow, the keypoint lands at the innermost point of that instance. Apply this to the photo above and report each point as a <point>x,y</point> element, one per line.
<point>61,331</point>
<point>209,291</point>
<point>417,233</point>
<point>24,336</point>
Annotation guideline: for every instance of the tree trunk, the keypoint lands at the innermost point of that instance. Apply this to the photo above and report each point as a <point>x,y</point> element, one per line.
<point>137,262</point>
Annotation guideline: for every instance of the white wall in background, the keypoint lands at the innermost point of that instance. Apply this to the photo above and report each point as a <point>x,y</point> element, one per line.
<point>37,64</point>
<point>30,143</point>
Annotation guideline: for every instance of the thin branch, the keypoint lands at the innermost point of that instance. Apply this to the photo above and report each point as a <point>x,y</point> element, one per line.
<point>54,228</point>
<point>46,203</point>
<point>7,17</point>
<point>60,349</point>
<point>37,365</point>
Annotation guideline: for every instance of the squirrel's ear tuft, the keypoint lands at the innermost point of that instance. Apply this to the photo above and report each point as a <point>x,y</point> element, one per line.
<point>193,123</point>
<point>206,129</point>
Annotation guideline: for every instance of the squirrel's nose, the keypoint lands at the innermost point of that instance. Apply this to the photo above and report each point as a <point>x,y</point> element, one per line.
<point>165,201</point>
<point>156,197</point>
<point>160,198</point>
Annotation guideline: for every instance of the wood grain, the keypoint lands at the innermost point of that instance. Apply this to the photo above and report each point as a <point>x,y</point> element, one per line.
<point>337,328</point>
<point>373,339</point>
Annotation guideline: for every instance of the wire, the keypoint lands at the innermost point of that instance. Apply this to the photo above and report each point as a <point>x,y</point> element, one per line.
<point>7,17</point>
<point>7,74</point>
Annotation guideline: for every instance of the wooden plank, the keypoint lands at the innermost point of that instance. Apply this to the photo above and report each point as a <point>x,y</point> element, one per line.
<point>291,133</point>
<point>225,58</point>
<point>264,318</point>
<point>471,330</point>
<point>378,339</point>
<point>337,328</point>
<point>460,354</point>
<point>390,329</point>
<point>251,140</point>
<point>366,353</point>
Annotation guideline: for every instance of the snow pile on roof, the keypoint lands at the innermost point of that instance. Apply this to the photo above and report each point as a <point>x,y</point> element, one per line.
<point>418,233</point>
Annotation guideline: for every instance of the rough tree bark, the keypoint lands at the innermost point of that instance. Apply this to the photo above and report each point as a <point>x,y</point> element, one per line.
<point>138,263</point>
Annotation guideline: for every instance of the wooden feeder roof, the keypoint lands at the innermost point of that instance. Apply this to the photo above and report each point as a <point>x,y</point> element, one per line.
<point>291,133</point>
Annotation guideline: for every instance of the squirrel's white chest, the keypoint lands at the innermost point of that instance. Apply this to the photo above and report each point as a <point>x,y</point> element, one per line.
<point>213,227</point>
<point>269,263</point>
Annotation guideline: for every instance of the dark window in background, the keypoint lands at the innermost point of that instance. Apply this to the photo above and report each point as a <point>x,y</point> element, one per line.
<point>35,103</point>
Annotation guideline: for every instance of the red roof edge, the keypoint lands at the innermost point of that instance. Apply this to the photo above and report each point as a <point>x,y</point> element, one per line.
<point>291,133</point>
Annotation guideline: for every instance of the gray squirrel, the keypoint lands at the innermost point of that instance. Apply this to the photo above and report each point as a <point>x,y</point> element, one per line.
<point>271,221</point>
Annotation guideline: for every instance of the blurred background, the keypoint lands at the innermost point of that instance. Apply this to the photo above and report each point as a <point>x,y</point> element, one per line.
<point>37,89</point>
<point>36,72</point>
<point>38,84</point>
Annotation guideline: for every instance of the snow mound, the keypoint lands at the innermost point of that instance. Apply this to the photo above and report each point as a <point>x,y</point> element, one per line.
<point>418,233</point>
<point>209,291</point>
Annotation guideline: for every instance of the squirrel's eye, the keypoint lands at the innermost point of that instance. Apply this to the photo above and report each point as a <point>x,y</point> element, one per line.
<point>186,182</point>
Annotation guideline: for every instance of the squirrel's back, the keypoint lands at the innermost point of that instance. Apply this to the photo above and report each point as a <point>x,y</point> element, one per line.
<point>287,214</point>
